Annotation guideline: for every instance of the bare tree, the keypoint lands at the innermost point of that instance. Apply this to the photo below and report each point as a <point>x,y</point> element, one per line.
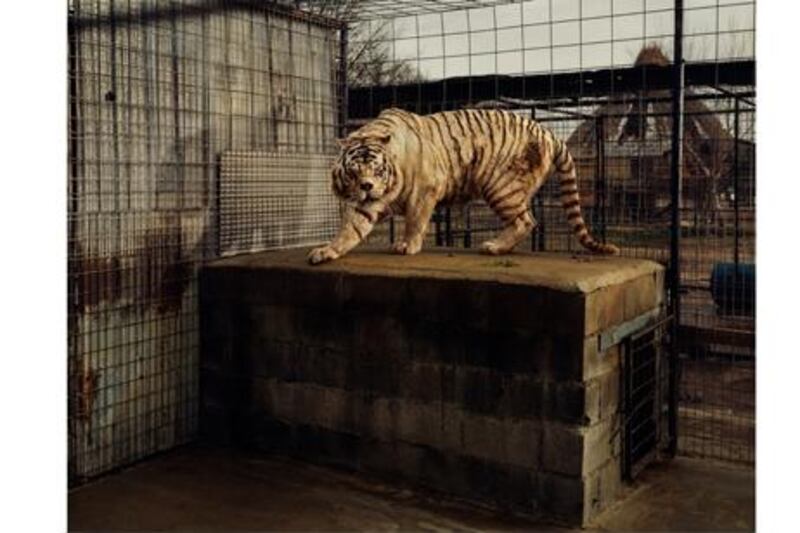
<point>369,54</point>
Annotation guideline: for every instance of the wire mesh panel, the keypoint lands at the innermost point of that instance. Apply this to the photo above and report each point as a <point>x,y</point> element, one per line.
<point>717,410</point>
<point>273,200</point>
<point>159,91</point>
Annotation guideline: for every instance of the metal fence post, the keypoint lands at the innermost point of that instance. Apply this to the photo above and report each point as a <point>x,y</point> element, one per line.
<point>343,113</point>
<point>736,193</point>
<point>676,191</point>
<point>437,222</point>
<point>467,227</point>
<point>448,230</point>
<point>599,221</point>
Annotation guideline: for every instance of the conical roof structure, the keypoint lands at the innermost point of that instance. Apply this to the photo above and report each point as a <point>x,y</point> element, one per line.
<point>636,133</point>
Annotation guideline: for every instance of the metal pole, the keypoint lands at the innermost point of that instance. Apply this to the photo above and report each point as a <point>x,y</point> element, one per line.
<point>73,283</point>
<point>437,221</point>
<point>542,230</point>
<point>627,361</point>
<point>736,192</point>
<point>601,146</point>
<point>676,193</point>
<point>467,227</point>
<point>598,184</point>
<point>448,230</point>
<point>343,82</point>
<point>537,240</point>
<point>535,212</point>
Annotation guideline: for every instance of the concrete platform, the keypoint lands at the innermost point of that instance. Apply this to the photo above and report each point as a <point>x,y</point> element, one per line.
<point>574,273</point>
<point>490,379</point>
<point>198,489</point>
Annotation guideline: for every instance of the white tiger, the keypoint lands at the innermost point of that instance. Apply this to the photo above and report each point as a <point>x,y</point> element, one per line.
<point>406,164</point>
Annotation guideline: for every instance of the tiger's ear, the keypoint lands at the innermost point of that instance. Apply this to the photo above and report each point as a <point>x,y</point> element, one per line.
<point>385,138</point>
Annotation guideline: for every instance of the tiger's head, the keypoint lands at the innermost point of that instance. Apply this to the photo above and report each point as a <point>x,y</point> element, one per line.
<point>363,172</point>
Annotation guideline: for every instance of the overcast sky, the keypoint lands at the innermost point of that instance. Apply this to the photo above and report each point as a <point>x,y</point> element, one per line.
<point>559,35</point>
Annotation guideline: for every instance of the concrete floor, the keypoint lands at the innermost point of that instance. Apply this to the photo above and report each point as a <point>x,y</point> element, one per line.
<point>686,495</point>
<point>203,489</point>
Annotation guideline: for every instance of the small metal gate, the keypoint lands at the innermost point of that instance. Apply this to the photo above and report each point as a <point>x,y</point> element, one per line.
<point>648,413</point>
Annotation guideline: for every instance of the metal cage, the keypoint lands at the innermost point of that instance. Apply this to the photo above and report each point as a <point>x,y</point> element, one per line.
<point>204,128</point>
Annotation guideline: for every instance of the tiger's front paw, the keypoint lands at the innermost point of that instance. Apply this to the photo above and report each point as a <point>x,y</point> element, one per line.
<point>322,254</point>
<point>493,248</point>
<point>400,247</point>
<point>406,248</point>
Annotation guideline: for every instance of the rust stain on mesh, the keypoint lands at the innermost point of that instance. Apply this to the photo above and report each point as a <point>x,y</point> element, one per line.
<point>99,279</point>
<point>166,273</point>
<point>155,274</point>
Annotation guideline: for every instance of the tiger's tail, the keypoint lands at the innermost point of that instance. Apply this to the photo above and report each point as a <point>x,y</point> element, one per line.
<point>570,200</point>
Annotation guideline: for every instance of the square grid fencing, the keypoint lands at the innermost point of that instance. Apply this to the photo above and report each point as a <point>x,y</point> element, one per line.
<point>199,129</point>
<point>196,129</point>
<point>601,75</point>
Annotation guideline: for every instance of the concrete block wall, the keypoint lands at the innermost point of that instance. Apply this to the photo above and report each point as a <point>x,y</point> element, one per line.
<point>454,371</point>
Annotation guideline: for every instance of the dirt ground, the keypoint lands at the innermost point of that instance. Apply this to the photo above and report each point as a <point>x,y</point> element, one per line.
<point>717,410</point>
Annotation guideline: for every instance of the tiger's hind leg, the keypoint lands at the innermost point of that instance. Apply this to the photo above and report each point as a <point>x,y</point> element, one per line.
<point>512,208</point>
<point>512,234</point>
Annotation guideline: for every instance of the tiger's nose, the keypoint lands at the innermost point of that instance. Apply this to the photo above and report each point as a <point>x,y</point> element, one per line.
<point>366,186</point>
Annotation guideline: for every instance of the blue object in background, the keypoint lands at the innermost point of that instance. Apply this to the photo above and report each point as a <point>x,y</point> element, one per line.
<point>734,289</point>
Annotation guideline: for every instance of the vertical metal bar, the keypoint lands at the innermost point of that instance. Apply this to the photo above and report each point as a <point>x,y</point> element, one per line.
<point>536,212</point>
<point>72,233</point>
<point>444,62</point>
<point>535,232</point>
<point>542,230</point>
<point>343,112</point>
<point>467,227</point>
<point>601,177</point>
<point>116,243</point>
<point>597,182</point>
<point>537,240</point>
<point>676,191</point>
<point>657,371</point>
<point>419,69</point>
<point>448,230</point>
<point>150,83</point>
<point>211,183</point>
<point>179,166</point>
<point>736,192</point>
<point>604,180</point>
<point>437,221</point>
<point>627,373</point>
<point>112,96</point>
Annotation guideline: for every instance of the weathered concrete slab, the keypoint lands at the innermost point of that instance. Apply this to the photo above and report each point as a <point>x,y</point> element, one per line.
<point>478,376</point>
<point>568,273</point>
<point>478,281</point>
<point>198,489</point>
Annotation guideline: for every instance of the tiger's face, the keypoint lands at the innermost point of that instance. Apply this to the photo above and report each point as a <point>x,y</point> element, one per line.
<point>363,172</point>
